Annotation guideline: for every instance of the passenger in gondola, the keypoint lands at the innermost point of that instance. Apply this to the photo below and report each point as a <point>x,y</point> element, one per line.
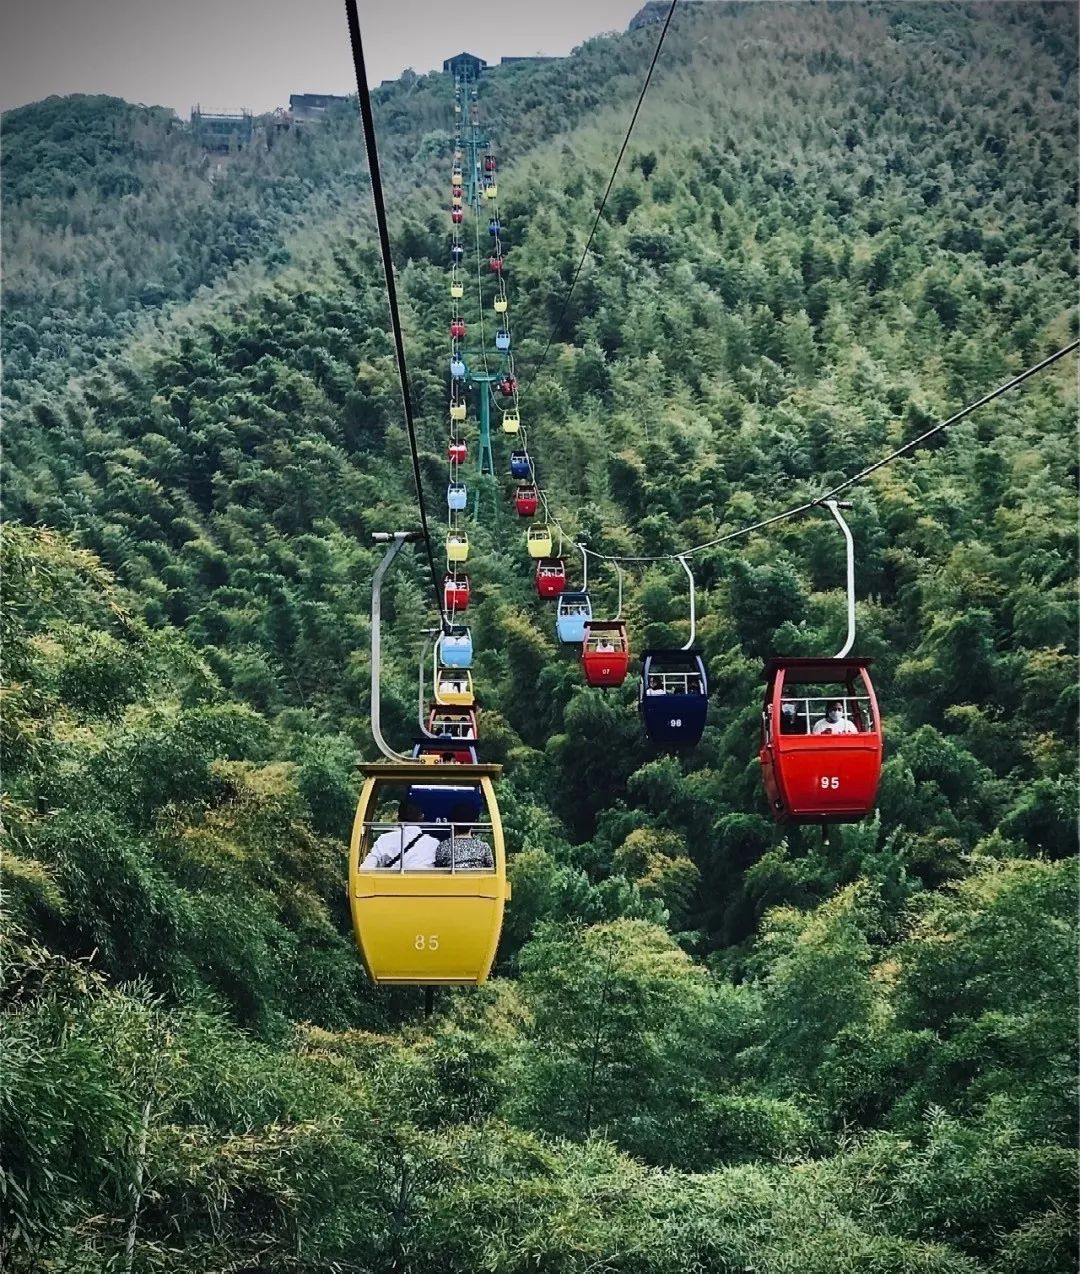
<point>834,721</point>
<point>655,686</point>
<point>463,849</point>
<point>605,646</point>
<point>406,846</point>
<point>789,717</point>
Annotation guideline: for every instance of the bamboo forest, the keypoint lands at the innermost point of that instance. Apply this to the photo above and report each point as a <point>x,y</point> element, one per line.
<point>441,835</point>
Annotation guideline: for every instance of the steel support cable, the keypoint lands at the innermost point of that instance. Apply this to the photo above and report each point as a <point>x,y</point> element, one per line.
<point>368,121</point>
<point>840,487</point>
<point>603,202</point>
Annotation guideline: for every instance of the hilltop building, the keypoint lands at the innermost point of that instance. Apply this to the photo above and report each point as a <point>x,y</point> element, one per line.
<point>465,64</point>
<point>307,108</point>
<point>222,130</point>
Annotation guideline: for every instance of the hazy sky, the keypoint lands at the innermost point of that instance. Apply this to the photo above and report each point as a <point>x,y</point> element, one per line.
<point>253,53</point>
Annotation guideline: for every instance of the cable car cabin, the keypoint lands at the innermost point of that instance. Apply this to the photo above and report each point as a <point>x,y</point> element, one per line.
<point>673,696</point>
<point>508,386</point>
<point>453,723</point>
<point>457,496</point>
<point>457,548</point>
<point>456,200</point>
<point>550,577</point>
<point>457,254</point>
<point>426,897</point>
<point>454,648</point>
<point>456,591</point>
<point>520,464</point>
<point>501,305</point>
<point>572,614</point>
<point>457,177</point>
<point>457,328</point>
<point>538,541</point>
<point>496,264</point>
<point>502,340</point>
<point>491,190</point>
<point>457,192</point>
<point>457,291</point>
<point>444,750</point>
<point>526,501</point>
<point>489,163</point>
<point>821,745</point>
<point>511,421</point>
<point>457,216</point>
<point>457,368</point>
<point>605,653</point>
<point>457,452</point>
<point>441,803</point>
<point>494,227</point>
<point>458,409</point>
<point>454,687</point>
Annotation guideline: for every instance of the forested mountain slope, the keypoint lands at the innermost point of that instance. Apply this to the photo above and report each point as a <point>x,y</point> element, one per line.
<point>712,1045</point>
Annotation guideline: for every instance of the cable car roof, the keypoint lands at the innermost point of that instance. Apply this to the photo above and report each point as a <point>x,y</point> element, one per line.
<point>807,669</point>
<point>409,770</point>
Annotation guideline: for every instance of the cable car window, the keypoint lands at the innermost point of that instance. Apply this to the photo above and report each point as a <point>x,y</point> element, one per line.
<point>399,838</point>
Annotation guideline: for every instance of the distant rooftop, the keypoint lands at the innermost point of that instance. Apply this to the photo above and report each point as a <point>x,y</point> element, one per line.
<point>464,64</point>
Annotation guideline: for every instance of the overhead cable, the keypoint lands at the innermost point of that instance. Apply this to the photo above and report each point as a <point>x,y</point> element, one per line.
<point>534,372</point>
<point>847,483</point>
<point>368,121</point>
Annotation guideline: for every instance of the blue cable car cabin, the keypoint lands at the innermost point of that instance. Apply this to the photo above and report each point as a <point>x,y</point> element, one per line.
<point>494,227</point>
<point>457,368</point>
<point>573,613</point>
<point>457,253</point>
<point>457,496</point>
<point>502,339</point>
<point>520,464</point>
<point>673,696</point>
<point>455,647</point>
<point>442,804</point>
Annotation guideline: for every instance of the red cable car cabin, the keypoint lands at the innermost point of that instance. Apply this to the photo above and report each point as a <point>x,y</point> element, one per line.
<point>457,451</point>
<point>550,576</point>
<point>526,501</point>
<point>820,740</point>
<point>457,328</point>
<point>456,592</point>
<point>452,723</point>
<point>605,652</point>
<point>496,264</point>
<point>508,386</point>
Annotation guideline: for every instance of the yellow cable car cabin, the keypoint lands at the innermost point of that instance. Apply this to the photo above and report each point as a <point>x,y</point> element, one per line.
<point>457,290</point>
<point>457,548</point>
<point>454,688</point>
<point>456,177</point>
<point>500,304</point>
<point>511,422</point>
<point>458,409</point>
<point>491,190</point>
<point>456,201</point>
<point>427,896</point>
<point>538,540</point>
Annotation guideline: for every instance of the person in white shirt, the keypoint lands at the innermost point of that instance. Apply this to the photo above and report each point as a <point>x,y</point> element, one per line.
<point>406,846</point>
<point>834,721</point>
<point>604,647</point>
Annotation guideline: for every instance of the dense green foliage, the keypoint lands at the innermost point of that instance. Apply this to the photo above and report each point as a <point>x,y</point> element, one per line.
<point>713,1044</point>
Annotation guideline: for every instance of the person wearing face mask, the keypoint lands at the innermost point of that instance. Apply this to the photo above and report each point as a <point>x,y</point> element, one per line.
<point>834,721</point>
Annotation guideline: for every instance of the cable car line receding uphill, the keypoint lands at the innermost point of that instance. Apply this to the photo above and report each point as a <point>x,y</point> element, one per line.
<point>427,860</point>
<point>433,818</point>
